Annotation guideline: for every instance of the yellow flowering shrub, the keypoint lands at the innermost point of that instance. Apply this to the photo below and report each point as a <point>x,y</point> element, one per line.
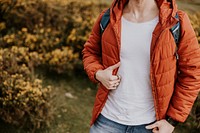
<point>23,99</point>
<point>38,33</point>
<point>61,26</point>
<point>195,21</point>
<point>61,59</point>
<point>195,113</point>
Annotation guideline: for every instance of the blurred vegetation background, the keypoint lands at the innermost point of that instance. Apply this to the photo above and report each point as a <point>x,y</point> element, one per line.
<point>43,87</point>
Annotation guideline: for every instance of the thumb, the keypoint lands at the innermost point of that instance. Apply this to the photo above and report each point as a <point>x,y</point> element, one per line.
<point>154,125</point>
<point>114,66</point>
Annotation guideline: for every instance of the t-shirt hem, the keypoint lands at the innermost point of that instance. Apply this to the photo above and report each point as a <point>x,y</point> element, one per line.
<point>129,123</point>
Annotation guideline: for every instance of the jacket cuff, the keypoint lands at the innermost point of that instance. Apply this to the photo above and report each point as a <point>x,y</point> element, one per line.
<point>96,80</point>
<point>172,121</point>
<point>93,72</point>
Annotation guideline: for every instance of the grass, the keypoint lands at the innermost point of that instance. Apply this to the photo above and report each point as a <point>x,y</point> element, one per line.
<point>73,102</point>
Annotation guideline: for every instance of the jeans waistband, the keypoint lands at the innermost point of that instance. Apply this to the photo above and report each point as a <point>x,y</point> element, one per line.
<point>105,120</point>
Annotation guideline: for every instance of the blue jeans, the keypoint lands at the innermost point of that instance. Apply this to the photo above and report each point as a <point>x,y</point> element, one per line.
<point>104,125</point>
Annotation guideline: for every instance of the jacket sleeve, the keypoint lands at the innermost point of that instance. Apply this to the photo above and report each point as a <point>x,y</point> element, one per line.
<point>92,52</point>
<point>187,85</point>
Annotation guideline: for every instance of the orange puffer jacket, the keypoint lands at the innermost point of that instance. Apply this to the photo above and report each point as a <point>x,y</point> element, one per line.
<point>174,88</point>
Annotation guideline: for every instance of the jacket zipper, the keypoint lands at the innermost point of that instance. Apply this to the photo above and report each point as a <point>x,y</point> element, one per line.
<point>118,40</point>
<point>155,96</point>
<point>153,77</point>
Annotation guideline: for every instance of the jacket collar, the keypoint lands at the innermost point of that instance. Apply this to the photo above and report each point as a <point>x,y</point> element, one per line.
<point>167,11</point>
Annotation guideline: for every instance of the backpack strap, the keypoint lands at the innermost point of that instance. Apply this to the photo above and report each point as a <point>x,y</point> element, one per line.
<point>176,32</point>
<point>104,21</point>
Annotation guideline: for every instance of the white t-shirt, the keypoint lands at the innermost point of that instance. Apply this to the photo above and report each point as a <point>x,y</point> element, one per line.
<point>132,102</point>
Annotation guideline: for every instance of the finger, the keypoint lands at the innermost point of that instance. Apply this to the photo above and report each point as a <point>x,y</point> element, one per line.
<point>117,84</point>
<point>112,88</point>
<point>115,77</point>
<point>119,77</point>
<point>114,66</point>
<point>155,130</point>
<point>154,125</point>
<point>114,82</point>
<point>113,85</point>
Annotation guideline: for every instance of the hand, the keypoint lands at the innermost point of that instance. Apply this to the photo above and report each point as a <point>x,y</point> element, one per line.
<point>107,79</point>
<point>161,126</point>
